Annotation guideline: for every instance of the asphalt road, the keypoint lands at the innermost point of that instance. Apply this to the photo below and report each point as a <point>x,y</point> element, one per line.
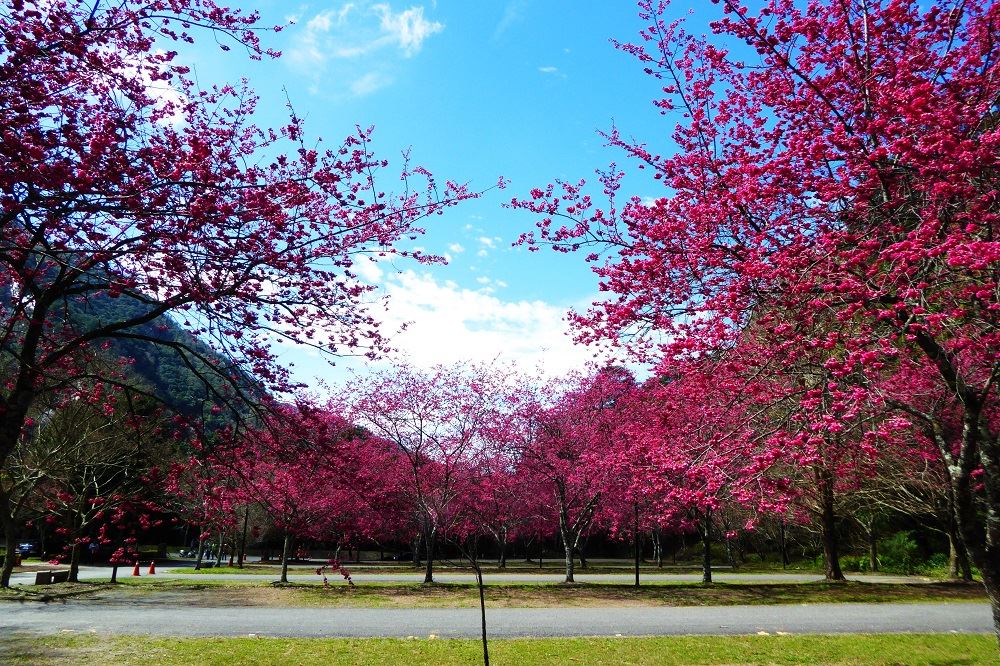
<point>508,623</point>
<point>98,573</point>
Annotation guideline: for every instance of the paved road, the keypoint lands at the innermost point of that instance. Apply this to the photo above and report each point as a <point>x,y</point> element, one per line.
<point>510,622</point>
<point>97,573</point>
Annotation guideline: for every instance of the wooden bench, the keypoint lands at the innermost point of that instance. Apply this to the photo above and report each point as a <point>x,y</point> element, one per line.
<point>50,577</point>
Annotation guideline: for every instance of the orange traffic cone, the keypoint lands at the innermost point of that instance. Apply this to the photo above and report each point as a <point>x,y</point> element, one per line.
<point>135,569</point>
<point>152,567</point>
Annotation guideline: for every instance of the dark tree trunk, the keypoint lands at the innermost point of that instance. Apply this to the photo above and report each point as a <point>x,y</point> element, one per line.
<point>243,538</point>
<point>706,548</point>
<point>959,567</point>
<point>828,525</point>
<point>218,554</point>
<point>285,550</point>
<point>783,545</point>
<point>982,541</point>
<point>74,563</point>
<point>482,612</point>
<point>430,542</point>
<point>635,542</point>
<point>417,540</point>
<point>114,574</point>
<point>201,551</point>
<point>502,562</point>
<point>10,539</point>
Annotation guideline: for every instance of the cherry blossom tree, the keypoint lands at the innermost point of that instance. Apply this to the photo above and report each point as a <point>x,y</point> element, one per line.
<point>80,460</point>
<point>440,420</point>
<point>123,182</point>
<point>562,451</point>
<point>832,178</point>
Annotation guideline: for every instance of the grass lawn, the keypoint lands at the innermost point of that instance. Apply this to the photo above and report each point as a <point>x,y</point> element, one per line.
<point>910,649</point>
<point>211,593</point>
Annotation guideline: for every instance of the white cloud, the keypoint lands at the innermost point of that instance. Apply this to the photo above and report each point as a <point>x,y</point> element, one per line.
<point>482,253</point>
<point>363,39</point>
<point>552,70</point>
<point>456,248</point>
<point>408,28</point>
<point>487,241</point>
<point>482,279</point>
<point>368,84</point>
<point>446,324</point>
<point>513,12</point>
<point>368,270</point>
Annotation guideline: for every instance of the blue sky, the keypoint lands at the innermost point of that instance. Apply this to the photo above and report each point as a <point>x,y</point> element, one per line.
<point>479,90</point>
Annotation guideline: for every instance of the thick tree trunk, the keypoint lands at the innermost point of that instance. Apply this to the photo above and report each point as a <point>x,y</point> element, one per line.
<point>9,534</point>
<point>731,555</point>
<point>706,548</point>
<point>828,525</point>
<point>201,552</point>
<point>218,554</point>
<point>417,540</point>
<point>959,567</point>
<point>570,562</point>
<point>74,563</point>
<point>430,541</point>
<point>114,574</point>
<point>285,550</point>
<point>243,538</point>
<point>982,541</point>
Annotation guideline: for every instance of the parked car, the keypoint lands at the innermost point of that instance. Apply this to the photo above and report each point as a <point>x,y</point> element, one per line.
<point>29,549</point>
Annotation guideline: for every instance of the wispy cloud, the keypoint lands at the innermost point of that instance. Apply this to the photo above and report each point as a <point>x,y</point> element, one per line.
<point>552,70</point>
<point>369,83</point>
<point>513,12</point>
<point>456,248</point>
<point>409,29</point>
<point>362,40</point>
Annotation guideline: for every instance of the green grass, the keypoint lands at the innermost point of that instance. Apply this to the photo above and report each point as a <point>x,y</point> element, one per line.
<point>856,650</point>
<point>209,593</point>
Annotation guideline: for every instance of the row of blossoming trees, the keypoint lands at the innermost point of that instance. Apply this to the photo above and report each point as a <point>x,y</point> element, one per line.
<point>817,286</point>
<point>479,458</point>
